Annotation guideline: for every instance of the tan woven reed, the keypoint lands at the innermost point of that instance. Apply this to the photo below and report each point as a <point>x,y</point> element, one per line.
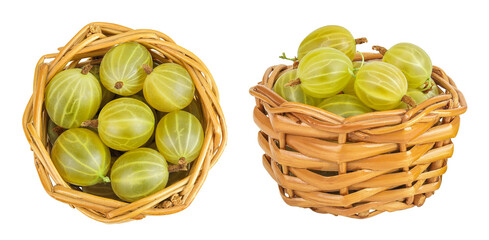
<point>87,46</point>
<point>359,166</point>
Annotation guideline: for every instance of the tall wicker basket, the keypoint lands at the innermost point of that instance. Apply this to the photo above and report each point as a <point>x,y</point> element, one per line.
<point>87,46</point>
<point>359,166</point>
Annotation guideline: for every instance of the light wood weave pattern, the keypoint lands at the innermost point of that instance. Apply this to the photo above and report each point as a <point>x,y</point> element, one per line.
<point>359,166</point>
<point>88,46</point>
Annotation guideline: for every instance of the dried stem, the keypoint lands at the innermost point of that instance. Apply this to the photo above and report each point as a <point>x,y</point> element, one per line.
<point>295,65</point>
<point>293,83</point>
<point>147,69</point>
<point>90,123</point>
<point>361,40</point>
<point>86,69</point>
<point>409,101</point>
<point>59,130</point>
<point>181,166</point>
<point>118,85</point>
<point>175,200</point>
<point>380,49</point>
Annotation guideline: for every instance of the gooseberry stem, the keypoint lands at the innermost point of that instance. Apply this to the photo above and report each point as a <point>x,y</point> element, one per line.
<point>181,166</point>
<point>363,59</point>
<point>105,179</point>
<point>352,73</point>
<point>361,65</point>
<point>286,58</point>
<point>361,40</point>
<point>58,130</point>
<point>147,69</point>
<point>90,123</point>
<point>118,85</point>
<point>293,83</point>
<point>380,49</point>
<point>86,69</point>
<point>295,65</point>
<point>409,101</point>
<point>428,85</point>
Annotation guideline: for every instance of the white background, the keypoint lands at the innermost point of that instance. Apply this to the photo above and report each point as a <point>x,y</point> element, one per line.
<point>238,41</point>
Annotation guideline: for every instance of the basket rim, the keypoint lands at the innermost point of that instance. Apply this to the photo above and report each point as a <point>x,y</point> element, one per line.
<point>320,118</point>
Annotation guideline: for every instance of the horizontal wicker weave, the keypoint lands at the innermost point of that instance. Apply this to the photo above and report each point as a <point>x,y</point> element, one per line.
<point>359,166</point>
<point>87,46</point>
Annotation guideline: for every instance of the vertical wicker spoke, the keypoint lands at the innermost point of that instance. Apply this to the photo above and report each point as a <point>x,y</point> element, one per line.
<point>342,169</point>
<point>409,199</point>
<point>285,169</point>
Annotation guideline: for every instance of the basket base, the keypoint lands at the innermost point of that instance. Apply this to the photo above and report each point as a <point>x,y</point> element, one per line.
<point>359,211</point>
<point>361,203</point>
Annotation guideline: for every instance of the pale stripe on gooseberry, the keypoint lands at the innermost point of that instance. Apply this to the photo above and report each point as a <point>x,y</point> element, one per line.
<point>417,95</point>
<point>344,105</point>
<point>380,85</point>
<point>143,167</point>
<point>72,97</point>
<point>124,63</point>
<point>81,157</point>
<point>85,166</point>
<point>412,60</point>
<point>179,134</point>
<point>292,93</point>
<point>116,170</point>
<point>126,123</point>
<point>328,36</point>
<point>169,87</point>
<point>324,72</point>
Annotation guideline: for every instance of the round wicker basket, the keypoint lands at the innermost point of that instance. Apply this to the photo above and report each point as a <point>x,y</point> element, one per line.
<point>88,46</point>
<point>362,165</point>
